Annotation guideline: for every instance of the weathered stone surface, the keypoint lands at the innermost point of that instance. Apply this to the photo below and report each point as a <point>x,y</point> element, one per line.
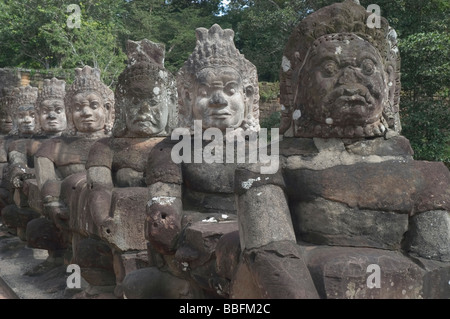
<point>125,229</point>
<point>436,283</point>
<point>151,283</point>
<point>95,260</point>
<point>275,271</point>
<point>34,195</point>
<point>396,146</point>
<point>325,222</point>
<point>406,187</point>
<point>209,178</point>
<point>209,203</point>
<point>344,273</point>
<point>258,225</point>
<point>14,216</point>
<point>298,146</point>
<point>200,240</point>
<point>43,234</point>
<point>163,226</point>
<point>429,235</point>
<point>228,251</point>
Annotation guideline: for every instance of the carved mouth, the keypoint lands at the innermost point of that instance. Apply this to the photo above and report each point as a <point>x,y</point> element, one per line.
<point>221,114</point>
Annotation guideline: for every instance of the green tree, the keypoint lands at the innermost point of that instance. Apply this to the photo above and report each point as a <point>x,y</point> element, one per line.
<point>172,23</point>
<point>34,34</point>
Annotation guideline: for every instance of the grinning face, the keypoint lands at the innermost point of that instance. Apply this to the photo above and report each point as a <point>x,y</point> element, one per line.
<point>345,83</point>
<point>53,116</point>
<point>26,119</point>
<point>219,98</point>
<point>89,113</point>
<point>146,111</point>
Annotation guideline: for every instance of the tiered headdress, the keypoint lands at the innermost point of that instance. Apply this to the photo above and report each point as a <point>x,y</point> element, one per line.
<point>340,18</point>
<point>88,79</point>
<point>215,48</point>
<point>145,64</point>
<point>22,97</point>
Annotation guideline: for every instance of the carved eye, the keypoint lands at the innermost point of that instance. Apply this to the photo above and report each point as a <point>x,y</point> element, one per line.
<point>329,68</point>
<point>32,115</point>
<point>44,111</point>
<point>368,67</point>
<point>202,91</point>
<point>58,110</point>
<point>230,89</point>
<point>95,105</point>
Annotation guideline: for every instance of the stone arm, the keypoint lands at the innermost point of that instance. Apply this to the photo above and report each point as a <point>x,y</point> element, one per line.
<point>164,207</point>
<point>18,169</point>
<point>270,252</point>
<point>100,186</point>
<point>49,186</point>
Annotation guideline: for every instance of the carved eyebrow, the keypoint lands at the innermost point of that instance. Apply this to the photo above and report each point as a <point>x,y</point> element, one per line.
<point>232,83</point>
<point>369,56</point>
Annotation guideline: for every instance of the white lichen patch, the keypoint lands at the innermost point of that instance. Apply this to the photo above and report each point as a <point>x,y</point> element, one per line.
<point>329,121</point>
<point>283,108</point>
<point>296,115</point>
<point>185,266</point>
<point>285,64</point>
<point>247,184</point>
<point>210,220</point>
<point>338,50</point>
<point>259,194</point>
<point>156,90</point>
<point>224,216</point>
<point>161,200</point>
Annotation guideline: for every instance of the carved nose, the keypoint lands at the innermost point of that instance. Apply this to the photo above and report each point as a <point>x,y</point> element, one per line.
<point>52,115</point>
<point>27,119</point>
<point>348,76</point>
<point>86,111</point>
<point>217,100</point>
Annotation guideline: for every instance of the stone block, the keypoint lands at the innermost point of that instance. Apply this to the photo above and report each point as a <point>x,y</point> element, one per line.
<point>325,222</point>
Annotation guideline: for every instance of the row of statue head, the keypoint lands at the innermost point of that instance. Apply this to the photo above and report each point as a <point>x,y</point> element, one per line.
<point>339,78</point>
<point>217,85</point>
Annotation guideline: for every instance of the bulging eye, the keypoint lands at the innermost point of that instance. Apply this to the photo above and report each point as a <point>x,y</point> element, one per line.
<point>329,68</point>
<point>94,105</point>
<point>230,89</point>
<point>368,67</point>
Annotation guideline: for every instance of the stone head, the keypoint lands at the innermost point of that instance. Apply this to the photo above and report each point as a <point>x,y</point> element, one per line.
<point>6,107</point>
<point>24,111</point>
<point>50,107</point>
<point>89,104</point>
<point>217,85</point>
<point>146,98</point>
<point>340,77</point>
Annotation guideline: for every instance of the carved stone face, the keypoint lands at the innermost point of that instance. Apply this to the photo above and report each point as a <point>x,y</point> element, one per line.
<point>6,123</point>
<point>219,98</point>
<point>26,119</point>
<point>345,83</point>
<point>53,116</point>
<point>146,111</point>
<point>89,113</point>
